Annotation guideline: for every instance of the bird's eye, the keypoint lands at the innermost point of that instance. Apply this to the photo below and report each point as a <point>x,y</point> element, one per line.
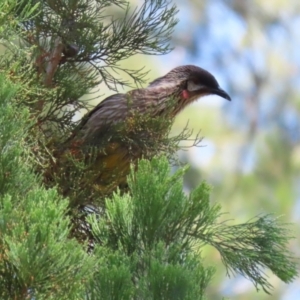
<point>192,86</point>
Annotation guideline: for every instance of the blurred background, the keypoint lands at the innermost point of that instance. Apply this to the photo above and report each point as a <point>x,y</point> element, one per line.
<point>250,151</point>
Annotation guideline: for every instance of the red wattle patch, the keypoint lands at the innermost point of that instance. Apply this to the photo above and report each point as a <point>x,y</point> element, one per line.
<point>185,94</point>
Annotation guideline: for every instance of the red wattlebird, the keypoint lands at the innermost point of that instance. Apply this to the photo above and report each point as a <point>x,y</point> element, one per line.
<point>164,98</point>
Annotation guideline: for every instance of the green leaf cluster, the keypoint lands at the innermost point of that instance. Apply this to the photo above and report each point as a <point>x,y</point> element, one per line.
<point>35,249</point>
<point>158,226</point>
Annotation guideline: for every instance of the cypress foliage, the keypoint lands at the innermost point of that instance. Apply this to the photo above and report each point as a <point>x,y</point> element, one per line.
<point>162,231</point>
<point>36,252</point>
<point>145,242</point>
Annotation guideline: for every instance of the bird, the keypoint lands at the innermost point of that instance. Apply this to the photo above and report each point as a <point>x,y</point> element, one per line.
<point>117,132</point>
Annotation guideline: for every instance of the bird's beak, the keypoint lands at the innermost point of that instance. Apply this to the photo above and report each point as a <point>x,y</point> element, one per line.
<point>221,93</point>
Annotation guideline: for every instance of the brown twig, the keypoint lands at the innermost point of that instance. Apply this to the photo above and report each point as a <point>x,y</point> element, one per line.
<point>51,68</point>
<point>54,61</point>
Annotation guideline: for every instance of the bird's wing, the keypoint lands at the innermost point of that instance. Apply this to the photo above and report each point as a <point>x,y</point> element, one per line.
<point>112,110</point>
<point>102,111</point>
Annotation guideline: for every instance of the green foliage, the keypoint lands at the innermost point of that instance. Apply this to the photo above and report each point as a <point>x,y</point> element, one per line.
<point>8,21</point>
<point>145,243</point>
<point>252,247</point>
<point>36,251</point>
<point>11,140</point>
<point>112,280</point>
<point>162,230</point>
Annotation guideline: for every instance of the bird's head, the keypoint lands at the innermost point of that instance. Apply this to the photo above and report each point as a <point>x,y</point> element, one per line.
<point>190,83</point>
